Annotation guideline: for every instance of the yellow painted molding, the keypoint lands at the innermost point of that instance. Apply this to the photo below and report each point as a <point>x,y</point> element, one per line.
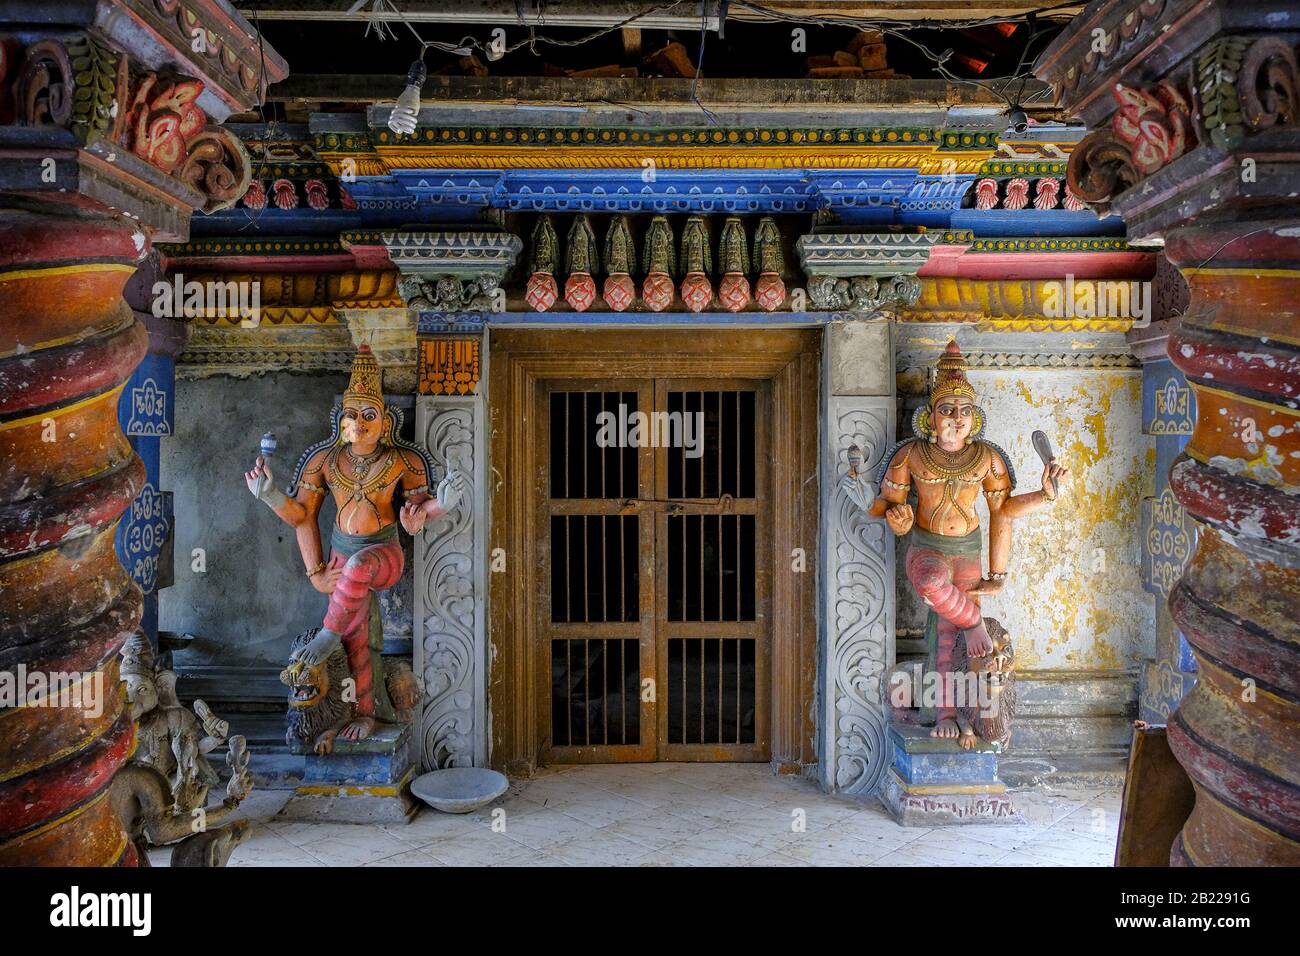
<point>350,164</point>
<point>944,788</point>
<point>998,305</point>
<point>929,159</point>
<point>81,269</point>
<point>109,396</point>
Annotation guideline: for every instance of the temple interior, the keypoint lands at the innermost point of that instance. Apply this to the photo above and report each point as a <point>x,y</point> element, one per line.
<point>638,420</point>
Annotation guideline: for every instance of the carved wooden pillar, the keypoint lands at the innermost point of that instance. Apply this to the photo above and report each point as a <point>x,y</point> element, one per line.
<point>1194,107</point>
<point>110,148</point>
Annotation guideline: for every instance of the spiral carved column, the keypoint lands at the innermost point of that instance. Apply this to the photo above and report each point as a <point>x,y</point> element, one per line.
<point>1236,732</point>
<point>66,475</point>
<point>1194,111</point>
<point>110,138</point>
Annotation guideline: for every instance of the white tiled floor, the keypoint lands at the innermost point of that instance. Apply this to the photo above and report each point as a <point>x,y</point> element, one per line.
<point>686,815</point>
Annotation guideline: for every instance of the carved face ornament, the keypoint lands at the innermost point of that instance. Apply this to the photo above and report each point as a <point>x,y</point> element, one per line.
<point>307,685</point>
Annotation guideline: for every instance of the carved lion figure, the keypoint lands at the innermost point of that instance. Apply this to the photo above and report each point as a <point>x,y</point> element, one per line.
<point>318,706</point>
<point>317,709</point>
<point>999,670</point>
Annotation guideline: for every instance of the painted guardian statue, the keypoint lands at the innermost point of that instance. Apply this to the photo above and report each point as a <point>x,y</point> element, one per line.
<point>945,468</point>
<point>366,468</point>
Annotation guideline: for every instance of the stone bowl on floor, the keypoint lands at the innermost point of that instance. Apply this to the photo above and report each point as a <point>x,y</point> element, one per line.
<point>459,789</point>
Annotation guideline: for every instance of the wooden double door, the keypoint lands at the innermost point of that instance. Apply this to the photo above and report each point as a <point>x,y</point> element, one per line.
<point>652,576</point>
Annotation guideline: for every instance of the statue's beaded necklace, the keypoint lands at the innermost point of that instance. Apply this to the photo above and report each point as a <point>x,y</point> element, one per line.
<point>361,463</point>
<point>360,486</point>
<point>951,470</point>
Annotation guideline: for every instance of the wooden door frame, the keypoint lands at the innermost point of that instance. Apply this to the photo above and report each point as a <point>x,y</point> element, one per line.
<point>518,360</point>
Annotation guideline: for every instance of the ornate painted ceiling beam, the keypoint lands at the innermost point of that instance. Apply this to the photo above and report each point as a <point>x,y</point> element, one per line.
<point>702,15</point>
<point>492,97</point>
<point>927,150</point>
<point>1194,109</point>
<point>1016,189</point>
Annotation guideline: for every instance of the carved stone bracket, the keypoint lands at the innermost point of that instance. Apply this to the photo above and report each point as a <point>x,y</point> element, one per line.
<point>866,272</point>
<point>463,253</point>
<point>1219,95</point>
<point>450,624</point>
<point>203,38</point>
<point>122,113</point>
<point>862,293</point>
<point>859,601</point>
<point>451,271</point>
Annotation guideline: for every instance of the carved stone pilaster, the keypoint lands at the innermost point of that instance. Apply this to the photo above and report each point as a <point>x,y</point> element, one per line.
<point>864,272</point>
<point>450,584</point>
<point>859,570</point>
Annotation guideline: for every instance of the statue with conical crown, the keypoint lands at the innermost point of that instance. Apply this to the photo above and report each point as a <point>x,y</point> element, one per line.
<point>365,466</point>
<point>946,467</point>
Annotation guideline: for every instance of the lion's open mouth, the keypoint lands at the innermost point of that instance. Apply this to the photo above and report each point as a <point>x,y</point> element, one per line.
<point>305,692</point>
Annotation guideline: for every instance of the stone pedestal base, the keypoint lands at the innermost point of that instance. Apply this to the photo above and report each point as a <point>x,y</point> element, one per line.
<point>367,781</point>
<point>935,782</point>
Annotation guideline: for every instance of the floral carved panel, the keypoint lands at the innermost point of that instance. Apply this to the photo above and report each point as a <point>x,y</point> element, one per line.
<point>859,601</point>
<point>449,587</point>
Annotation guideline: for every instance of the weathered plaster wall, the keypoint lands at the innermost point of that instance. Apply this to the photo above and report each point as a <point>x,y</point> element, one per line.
<point>1074,599</point>
<point>253,597</point>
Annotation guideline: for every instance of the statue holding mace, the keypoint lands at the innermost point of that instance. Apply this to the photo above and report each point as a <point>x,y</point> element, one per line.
<point>947,466</point>
<point>364,465</point>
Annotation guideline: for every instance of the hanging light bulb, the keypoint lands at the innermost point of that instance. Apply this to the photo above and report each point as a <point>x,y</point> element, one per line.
<point>406,112</point>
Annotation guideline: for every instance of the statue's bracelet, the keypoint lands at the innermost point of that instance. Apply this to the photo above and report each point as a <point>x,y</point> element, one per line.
<point>317,570</point>
<point>997,576</point>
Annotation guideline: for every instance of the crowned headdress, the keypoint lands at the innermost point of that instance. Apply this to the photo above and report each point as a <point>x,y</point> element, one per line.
<point>950,375</point>
<point>365,383</point>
